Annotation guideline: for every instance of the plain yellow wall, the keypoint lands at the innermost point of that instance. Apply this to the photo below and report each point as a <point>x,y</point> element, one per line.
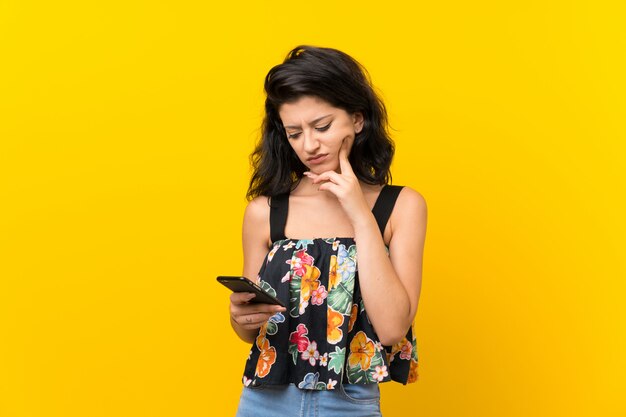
<point>125,130</point>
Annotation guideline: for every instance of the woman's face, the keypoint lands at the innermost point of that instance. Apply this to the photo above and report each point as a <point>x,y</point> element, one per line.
<point>316,130</point>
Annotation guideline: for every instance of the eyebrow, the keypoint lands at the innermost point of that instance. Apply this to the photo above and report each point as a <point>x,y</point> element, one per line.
<point>312,123</point>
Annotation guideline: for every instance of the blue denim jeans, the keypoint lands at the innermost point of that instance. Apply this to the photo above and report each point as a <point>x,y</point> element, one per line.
<point>350,400</point>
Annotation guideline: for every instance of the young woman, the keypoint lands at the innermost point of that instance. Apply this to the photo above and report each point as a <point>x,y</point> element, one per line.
<point>319,196</point>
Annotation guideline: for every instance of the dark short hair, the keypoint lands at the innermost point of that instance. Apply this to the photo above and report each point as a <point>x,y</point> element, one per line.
<point>341,81</point>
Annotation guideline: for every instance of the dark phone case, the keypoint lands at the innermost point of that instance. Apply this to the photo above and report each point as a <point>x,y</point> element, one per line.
<point>242,284</point>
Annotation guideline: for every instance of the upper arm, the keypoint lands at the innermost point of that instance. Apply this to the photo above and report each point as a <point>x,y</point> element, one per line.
<point>406,247</point>
<point>255,236</point>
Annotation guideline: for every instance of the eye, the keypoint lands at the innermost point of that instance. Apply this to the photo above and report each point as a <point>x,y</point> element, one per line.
<point>319,129</point>
<point>324,128</point>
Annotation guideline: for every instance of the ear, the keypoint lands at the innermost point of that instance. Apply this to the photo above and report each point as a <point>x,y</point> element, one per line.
<point>358,120</point>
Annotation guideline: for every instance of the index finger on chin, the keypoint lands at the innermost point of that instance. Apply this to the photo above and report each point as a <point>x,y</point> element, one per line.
<point>344,163</point>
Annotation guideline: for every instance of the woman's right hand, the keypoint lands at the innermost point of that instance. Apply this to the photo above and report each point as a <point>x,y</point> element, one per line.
<point>250,316</point>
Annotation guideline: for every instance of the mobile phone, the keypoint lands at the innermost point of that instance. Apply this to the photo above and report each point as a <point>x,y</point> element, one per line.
<point>243,284</point>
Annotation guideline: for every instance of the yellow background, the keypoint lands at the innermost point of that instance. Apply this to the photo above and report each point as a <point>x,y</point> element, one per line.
<point>125,128</point>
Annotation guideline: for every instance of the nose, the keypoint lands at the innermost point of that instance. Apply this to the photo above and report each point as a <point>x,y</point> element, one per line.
<point>311,143</point>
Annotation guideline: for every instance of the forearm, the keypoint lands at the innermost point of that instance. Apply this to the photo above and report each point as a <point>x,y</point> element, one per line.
<point>386,300</point>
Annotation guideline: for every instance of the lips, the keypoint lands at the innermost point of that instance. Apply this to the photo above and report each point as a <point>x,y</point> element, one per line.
<point>317,159</point>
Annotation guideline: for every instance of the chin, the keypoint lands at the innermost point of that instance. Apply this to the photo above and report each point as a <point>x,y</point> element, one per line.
<point>321,169</point>
<point>317,170</point>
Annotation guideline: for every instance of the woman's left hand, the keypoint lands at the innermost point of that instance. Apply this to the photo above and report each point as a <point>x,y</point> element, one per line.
<point>345,186</point>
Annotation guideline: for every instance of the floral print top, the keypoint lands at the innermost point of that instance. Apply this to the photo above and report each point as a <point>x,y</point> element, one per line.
<point>325,337</point>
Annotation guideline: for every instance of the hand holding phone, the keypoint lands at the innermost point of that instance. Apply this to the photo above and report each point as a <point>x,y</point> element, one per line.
<point>243,284</point>
<point>250,313</point>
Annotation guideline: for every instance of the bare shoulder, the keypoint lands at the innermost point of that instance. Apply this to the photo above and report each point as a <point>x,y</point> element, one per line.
<point>411,200</point>
<point>410,211</point>
<point>258,209</point>
<point>256,220</point>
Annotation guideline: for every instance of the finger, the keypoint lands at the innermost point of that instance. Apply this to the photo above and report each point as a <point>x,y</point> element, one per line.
<point>241,297</point>
<point>310,174</point>
<point>264,308</point>
<point>324,176</point>
<point>248,323</point>
<point>329,186</point>
<point>344,163</point>
<point>248,309</point>
<point>252,321</point>
<point>331,176</point>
